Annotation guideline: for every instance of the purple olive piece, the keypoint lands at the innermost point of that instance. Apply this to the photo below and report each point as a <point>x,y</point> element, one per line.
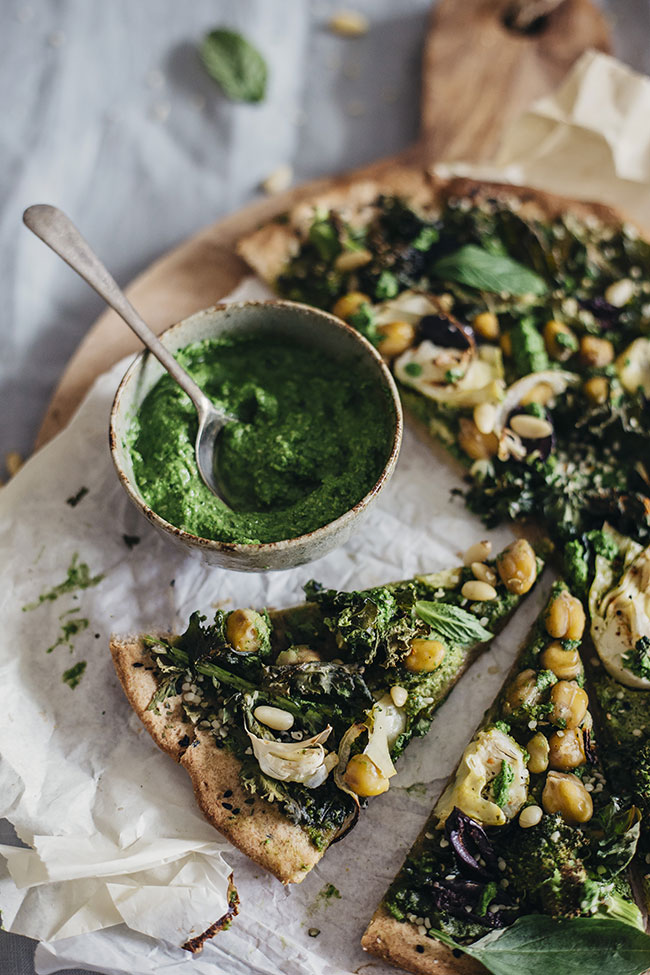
<point>542,445</point>
<point>602,311</point>
<point>470,842</point>
<point>446,331</point>
<point>590,748</point>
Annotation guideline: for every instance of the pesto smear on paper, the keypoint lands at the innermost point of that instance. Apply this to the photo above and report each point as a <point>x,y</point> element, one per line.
<point>311,439</point>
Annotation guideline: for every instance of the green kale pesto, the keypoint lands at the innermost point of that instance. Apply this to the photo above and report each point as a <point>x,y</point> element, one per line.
<point>311,439</point>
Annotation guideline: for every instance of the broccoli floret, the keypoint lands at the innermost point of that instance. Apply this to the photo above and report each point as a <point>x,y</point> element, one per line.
<point>548,872</point>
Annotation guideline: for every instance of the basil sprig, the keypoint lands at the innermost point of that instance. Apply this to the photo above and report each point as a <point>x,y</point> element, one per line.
<point>538,944</point>
<point>451,622</point>
<point>477,268</point>
<point>235,64</point>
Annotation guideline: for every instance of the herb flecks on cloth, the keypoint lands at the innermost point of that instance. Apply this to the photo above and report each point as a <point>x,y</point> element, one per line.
<point>78,578</point>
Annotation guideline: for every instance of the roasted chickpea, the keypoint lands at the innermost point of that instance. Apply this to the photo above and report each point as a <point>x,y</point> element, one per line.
<point>560,341</point>
<point>346,306</point>
<point>425,656</point>
<point>245,630</point>
<point>565,617</point>
<point>596,390</point>
<point>396,337</point>
<point>477,445</point>
<point>565,794</point>
<point>486,325</point>
<point>570,703</point>
<point>364,778</point>
<point>538,749</point>
<point>565,664</point>
<point>566,750</point>
<point>522,690</point>
<point>595,351</point>
<point>300,654</point>
<point>517,566</point>
<point>540,393</point>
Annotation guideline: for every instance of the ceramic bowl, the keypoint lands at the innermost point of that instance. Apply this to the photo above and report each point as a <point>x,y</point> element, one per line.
<point>284,318</point>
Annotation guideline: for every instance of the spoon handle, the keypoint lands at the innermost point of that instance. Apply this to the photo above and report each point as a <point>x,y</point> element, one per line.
<point>57,231</point>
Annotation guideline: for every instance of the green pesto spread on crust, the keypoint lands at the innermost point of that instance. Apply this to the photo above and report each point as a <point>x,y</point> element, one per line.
<point>357,643</point>
<point>311,439</point>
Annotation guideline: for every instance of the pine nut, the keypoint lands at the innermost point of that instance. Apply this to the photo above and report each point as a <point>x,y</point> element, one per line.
<point>484,573</point>
<point>620,292</point>
<point>351,260</point>
<point>530,816</point>
<point>399,695</point>
<point>349,23</point>
<point>477,552</point>
<point>275,718</point>
<point>531,427</point>
<point>478,591</point>
<point>485,415</point>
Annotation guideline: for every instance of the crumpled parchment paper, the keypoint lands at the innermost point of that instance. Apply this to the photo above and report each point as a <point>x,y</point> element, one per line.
<point>119,866</point>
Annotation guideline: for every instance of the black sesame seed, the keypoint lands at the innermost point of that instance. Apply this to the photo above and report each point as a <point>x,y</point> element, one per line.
<point>227,805</point>
<point>227,793</point>
<point>420,949</point>
<point>250,801</point>
<point>236,810</point>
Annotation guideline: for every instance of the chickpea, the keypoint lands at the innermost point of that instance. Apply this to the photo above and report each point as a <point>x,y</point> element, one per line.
<point>565,617</point>
<point>560,341</point>
<point>565,794</point>
<point>570,703</point>
<point>517,566</point>
<point>396,337</point>
<point>566,750</point>
<point>596,390</point>
<point>565,664</point>
<point>425,656</point>
<point>595,351</point>
<point>486,325</point>
<point>364,778</point>
<point>477,445</point>
<point>522,690</point>
<point>346,306</point>
<point>538,749</point>
<point>245,629</point>
<point>300,654</point>
<point>540,393</point>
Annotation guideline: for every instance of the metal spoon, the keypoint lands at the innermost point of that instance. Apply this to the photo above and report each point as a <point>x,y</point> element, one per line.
<point>59,233</point>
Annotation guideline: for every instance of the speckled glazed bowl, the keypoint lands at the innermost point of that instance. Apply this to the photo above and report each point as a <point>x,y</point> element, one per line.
<point>288,319</point>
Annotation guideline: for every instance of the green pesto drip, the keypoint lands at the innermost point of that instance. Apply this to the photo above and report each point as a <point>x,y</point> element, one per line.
<point>73,676</point>
<point>78,577</point>
<point>311,439</point>
<point>69,629</point>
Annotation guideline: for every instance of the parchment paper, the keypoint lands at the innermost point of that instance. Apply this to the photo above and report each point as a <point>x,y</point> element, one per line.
<point>119,856</point>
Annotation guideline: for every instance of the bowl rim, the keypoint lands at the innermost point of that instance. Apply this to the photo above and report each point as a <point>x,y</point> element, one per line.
<point>285,544</point>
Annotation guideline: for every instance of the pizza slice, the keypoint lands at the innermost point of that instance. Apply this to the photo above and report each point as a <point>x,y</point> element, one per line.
<point>287,721</point>
<point>517,326</point>
<point>619,607</point>
<point>526,827</point>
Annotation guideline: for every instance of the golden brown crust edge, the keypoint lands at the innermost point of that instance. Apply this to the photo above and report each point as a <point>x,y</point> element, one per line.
<point>256,827</point>
<point>400,943</point>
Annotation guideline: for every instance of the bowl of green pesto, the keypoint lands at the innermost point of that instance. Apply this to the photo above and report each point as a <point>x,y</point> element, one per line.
<point>316,437</point>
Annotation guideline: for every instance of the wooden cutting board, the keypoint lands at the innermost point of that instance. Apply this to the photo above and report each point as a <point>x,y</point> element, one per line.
<point>478,75</point>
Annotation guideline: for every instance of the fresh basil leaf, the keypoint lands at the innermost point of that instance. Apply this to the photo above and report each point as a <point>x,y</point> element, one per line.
<point>452,622</point>
<point>538,944</point>
<point>477,268</point>
<point>235,64</point>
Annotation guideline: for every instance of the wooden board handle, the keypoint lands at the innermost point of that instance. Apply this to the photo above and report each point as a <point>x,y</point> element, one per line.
<point>479,75</point>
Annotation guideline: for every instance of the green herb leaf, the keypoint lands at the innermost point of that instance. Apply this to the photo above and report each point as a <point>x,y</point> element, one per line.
<point>426,238</point>
<point>638,659</point>
<point>538,944</point>
<point>387,286</point>
<point>235,64</point>
<point>323,235</point>
<point>477,268</point>
<point>452,622</point>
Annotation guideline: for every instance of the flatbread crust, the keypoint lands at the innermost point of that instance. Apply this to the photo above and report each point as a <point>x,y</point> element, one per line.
<point>256,827</point>
<point>400,943</point>
<point>269,249</point>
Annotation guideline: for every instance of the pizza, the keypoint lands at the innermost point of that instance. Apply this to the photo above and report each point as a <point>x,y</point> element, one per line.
<point>527,826</point>
<point>288,721</point>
